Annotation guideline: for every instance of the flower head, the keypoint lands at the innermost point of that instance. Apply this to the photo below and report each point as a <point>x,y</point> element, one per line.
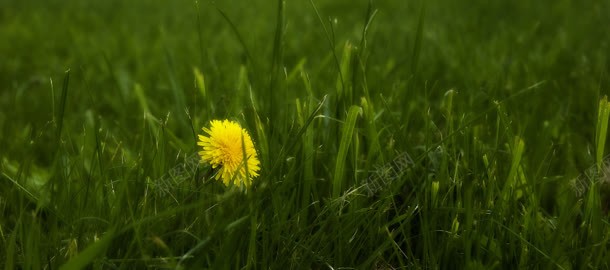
<point>223,149</point>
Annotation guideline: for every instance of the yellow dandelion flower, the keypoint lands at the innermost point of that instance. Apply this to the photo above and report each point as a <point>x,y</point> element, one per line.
<point>222,149</point>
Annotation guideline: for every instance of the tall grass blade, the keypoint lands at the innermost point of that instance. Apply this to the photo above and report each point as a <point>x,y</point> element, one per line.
<point>277,55</point>
<point>418,40</point>
<point>511,186</point>
<point>62,104</point>
<point>199,81</point>
<point>237,34</point>
<point>346,138</point>
<point>342,85</point>
<point>601,131</point>
<point>329,37</point>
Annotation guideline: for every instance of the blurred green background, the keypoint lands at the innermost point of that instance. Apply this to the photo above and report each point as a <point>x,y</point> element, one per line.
<point>100,99</point>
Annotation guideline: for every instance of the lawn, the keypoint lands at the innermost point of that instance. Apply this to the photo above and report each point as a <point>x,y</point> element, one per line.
<point>391,134</point>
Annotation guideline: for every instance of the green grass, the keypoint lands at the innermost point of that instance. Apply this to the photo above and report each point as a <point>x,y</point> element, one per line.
<point>500,104</point>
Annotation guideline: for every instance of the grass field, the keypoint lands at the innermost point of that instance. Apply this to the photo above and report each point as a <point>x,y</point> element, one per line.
<point>391,134</point>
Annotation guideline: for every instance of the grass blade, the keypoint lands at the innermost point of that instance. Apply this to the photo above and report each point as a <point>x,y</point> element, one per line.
<point>346,139</point>
<point>62,104</point>
<point>418,40</point>
<point>601,130</point>
<point>90,253</point>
